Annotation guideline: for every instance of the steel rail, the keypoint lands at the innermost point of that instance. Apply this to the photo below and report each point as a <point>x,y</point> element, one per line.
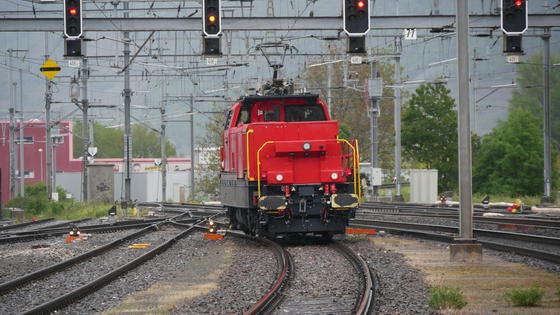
<point>522,221</point>
<point>107,278</point>
<point>268,302</point>
<point>12,284</point>
<point>366,302</point>
<point>450,229</point>
<point>85,227</point>
<point>41,234</point>
<point>88,229</point>
<point>487,244</point>
<point>63,224</point>
<point>24,224</point>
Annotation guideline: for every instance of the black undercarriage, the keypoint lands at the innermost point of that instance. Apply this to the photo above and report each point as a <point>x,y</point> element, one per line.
<point>305,209</point>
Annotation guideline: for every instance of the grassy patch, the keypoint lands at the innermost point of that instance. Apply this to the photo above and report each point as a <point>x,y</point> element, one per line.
<point>443,297</point>
<point>525,296</point>
<point>558,293</point>
<point>37,205</point>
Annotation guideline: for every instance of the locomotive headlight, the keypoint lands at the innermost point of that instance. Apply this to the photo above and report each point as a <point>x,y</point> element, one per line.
<point>334,175</point>
<point>306,146</point>
<point>279,177</point>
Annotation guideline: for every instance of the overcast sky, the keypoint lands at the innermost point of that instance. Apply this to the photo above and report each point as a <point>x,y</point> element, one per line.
<point>105,60</point>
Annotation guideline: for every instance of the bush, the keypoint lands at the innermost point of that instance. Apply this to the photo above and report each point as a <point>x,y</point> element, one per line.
<point>36,204</point>
<point>443,297</point>
<point>524,297</point>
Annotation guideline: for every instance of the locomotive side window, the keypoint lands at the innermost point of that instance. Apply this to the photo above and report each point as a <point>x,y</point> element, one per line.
<point>304,113</point>
<point>272,114</point>
<point>228,119</point>
<point>244,116</point>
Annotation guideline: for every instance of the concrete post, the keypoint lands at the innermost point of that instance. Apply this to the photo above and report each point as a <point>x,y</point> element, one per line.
<point>465,249</point>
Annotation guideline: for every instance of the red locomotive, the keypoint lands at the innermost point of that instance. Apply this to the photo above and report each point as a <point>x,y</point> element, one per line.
<point>283,168</point>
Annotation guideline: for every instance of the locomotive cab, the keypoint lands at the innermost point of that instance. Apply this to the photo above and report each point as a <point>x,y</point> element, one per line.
<point>284,169</point>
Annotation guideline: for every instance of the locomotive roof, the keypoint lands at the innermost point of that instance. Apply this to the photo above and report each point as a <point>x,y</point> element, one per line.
<point>249,100</point>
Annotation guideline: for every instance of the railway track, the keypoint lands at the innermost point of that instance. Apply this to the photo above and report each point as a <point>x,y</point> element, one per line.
<point>90,287</point>
<point>286,295</point>
<point>447,234</point>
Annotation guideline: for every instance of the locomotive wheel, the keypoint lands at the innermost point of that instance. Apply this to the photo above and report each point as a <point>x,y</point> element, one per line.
<point>327,236</point>
<point>232,218</point>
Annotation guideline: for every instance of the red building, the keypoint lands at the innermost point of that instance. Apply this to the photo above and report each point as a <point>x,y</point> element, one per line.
<point>34,149</point>
<point>63,161</point>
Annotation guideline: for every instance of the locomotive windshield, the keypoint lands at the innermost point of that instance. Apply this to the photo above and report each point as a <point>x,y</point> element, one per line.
<point>304,113</point>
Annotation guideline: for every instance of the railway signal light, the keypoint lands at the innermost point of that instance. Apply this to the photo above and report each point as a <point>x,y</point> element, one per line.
<point>73,19</point>
<point>356,17</point>
<point>211,18</point>
<point>514,16</point>
<point>212,227</point>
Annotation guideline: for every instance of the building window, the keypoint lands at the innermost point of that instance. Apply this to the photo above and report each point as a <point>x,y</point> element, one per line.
<point>56,139</point>
<point>26,174</point>
<point>26,140</point>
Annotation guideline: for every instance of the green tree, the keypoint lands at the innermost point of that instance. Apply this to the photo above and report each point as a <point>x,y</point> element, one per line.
<point>529,95</point>
<point>429,132</point>
<point>350,103</point>
<point>208,179</point>
<point>510,159</point>
<point>110,143</point>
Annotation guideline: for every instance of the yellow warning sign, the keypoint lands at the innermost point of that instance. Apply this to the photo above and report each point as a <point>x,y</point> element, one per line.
<point>50,68</point>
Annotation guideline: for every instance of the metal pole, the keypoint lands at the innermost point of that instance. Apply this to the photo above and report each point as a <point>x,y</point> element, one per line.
<point>91,138</point>
<point>21,136</point>
<point>373,130</point>
<point>41,163</point>
<point>85,132</point>
<point>191,109</point>
<point>12,153</point>
<point>48,140</point>
<point>435,5</point>
<point>13,178</point>
<point>465,161</point>
<point>398,194</point>
<point>329,86</point>
<point>547,130</point>
<point>163,147</point>
<point>127,94</point>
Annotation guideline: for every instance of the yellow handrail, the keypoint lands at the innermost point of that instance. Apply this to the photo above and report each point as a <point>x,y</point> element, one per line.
<point>354,157</point>
<point>259,167</point>
<point>248,156</point>
<point>358,173</point>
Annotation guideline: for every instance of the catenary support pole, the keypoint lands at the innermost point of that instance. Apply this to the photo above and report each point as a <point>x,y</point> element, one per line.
<point>374,111</point>
<point>465,161</point>
<point>48,138</point>
<point>21,137</point>
<point>464,249</point>
<point>13,164</point>
<point>329,87</point>
<point>191,125</point>
<point>12,153</point>
<point>127,94</point>
<point>547,198</point>
<point>163,141</point>
<point>84,72</point>
<point>398,194</point>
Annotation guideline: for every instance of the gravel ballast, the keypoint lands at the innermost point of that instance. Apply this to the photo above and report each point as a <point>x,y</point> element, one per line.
<point>323,279</point>
<point>18,259</point>
<point>400,287</point>
<point>43,290</point>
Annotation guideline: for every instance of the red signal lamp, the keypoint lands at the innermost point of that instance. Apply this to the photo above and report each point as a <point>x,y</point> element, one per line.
<point>361,4</point>
<point>212,18</point>
<point>73,11</point>
<point>518,3</point>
